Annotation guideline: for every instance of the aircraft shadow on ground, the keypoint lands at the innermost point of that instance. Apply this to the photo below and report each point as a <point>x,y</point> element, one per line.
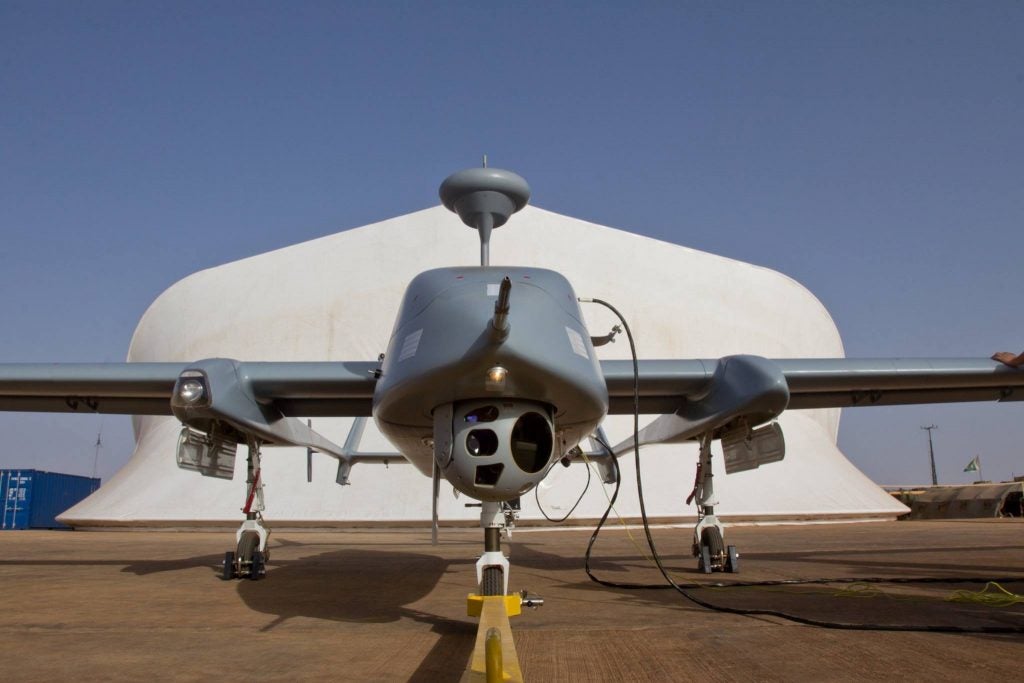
<point>356,585</point>
<point>365,586</point>
<point>137,568</point>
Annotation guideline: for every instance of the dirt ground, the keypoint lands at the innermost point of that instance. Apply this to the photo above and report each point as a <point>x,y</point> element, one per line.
<point>387,606</point>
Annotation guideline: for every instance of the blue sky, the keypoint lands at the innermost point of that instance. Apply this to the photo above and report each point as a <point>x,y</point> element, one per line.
<point>872,151</point>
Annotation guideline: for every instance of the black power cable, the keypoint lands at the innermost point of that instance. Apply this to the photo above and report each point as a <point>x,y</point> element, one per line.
<point>684,589</point>
<point>536,497</point>
<point>636,448</point>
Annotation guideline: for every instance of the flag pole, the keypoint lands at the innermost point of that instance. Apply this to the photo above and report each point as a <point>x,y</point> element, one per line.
<point>931,453</point>
<point>96,456</point>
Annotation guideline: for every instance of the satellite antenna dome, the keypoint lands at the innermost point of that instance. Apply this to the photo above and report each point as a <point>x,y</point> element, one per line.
<point>484,198</point>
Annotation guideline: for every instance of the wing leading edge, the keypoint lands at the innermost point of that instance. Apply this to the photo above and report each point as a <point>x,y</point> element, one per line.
<point>822,382</point>
<point>692,397</point>
<point>310,389</point>
<point>697,397</point>
<point>339,389</point>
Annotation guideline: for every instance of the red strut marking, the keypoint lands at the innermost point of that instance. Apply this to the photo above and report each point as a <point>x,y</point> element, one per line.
<point>252,492</point>
<point>696,483</point>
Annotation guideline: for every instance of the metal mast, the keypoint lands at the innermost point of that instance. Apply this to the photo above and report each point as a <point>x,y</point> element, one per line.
<point>931,452</point>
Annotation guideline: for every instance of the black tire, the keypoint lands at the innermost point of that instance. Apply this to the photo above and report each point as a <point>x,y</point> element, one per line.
<point>704,561</point>
<point>249,543</point>
<point>258,568</point>
<point>228,570</point>
<point>493,582</point>
<point>247,548</point>
<point>711,538</point>
<point>732,560</point>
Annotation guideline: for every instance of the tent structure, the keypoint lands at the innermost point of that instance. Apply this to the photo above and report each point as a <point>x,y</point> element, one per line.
<point>967,502</point>
<point>335,298</point>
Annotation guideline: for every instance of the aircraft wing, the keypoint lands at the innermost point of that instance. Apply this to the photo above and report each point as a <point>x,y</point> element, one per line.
<point>693,397</point>
<point>125,388</point>
<point>321,389</point>
<point>340,389</point>
<point>253,400</point>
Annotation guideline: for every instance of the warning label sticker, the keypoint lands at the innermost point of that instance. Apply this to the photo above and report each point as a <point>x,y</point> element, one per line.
<point>576,342</point>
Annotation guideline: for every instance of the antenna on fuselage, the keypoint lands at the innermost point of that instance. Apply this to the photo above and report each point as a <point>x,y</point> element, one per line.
<point>484,198</point>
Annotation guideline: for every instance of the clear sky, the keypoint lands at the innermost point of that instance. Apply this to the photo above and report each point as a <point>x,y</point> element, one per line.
<point>872,151</point>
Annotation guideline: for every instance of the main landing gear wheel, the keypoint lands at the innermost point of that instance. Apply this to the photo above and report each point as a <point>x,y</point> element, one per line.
<point>732,560</point>
<point>247,561</point>
<point>704,560</point>
<point>713,555</point>
<point>258,568</point>
<point>712,538</point>
<point>493,582</point>
<point>228,570</point>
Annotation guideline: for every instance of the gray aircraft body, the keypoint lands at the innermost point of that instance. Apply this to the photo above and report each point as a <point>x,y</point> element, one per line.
<point>490,378</point>
<point>490,400</point>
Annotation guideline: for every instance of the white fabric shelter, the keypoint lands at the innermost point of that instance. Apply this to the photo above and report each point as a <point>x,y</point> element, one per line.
<point>335,298</point>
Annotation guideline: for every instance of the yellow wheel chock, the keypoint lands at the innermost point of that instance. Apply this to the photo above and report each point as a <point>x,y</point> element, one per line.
<point>494,658</point>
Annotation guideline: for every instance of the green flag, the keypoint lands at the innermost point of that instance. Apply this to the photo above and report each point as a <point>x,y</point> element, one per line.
<point>973,465</point>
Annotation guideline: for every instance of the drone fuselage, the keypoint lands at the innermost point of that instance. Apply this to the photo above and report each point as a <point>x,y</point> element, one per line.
<point>494,399</point>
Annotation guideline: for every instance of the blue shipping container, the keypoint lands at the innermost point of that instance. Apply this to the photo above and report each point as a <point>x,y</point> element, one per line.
<point>32,499</point>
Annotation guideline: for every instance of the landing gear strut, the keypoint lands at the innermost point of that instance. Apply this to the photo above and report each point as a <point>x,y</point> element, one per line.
<point>249,560</point>
<point>708,535</point>
<point>492,567</point>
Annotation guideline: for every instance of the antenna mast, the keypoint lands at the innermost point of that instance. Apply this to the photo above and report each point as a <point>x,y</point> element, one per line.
<point>931,452</point>
<point>484,198</point>
<point>96,456</point>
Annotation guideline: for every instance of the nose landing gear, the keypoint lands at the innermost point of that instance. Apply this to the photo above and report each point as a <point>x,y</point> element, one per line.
<point>492,567</point>
<point>494,656</point>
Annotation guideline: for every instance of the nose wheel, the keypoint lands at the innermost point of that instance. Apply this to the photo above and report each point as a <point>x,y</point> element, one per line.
<point>492,567</point>
<point>493,581</point>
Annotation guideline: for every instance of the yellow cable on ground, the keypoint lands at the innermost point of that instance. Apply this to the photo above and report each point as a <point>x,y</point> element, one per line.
<point>992,595</point>
<point>625,527</point>
<point>860,590</point>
